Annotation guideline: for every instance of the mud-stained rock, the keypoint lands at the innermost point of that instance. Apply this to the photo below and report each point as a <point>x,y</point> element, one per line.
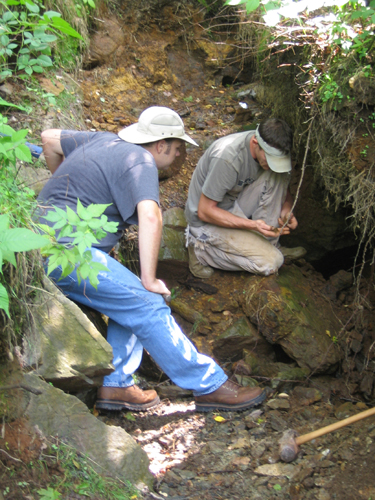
<point>63,346</point>
<point>110,448</point>
<point>241,336</point>
<point>173,237</point>
<point>104,43</point>
<point>199,322</point>
<point>289,311</point>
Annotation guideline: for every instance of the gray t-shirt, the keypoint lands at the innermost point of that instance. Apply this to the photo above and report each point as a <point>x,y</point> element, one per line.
<point>224,170</point>
<point>101,168</point>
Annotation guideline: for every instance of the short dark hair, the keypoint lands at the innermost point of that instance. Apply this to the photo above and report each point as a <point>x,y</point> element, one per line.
<point>277,133</point>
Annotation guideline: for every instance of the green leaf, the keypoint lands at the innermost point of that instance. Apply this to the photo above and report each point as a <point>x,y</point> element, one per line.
<point>45,61</point>
<point>22,240</point>
<point>9,256</point>
<point>96,210</point>
<point>252,5</point>
<point>50,14</point>
<point>72,216</point>
<point>5,103</point>
<point>19,135</point>
<point>31,6</point>
<point>23,153</point>
<point>7,16</point>
<point>64,27</point>
<point>4,222</point>
<point>234,2</point>
<point>4,39</point>
<point>4,300</point>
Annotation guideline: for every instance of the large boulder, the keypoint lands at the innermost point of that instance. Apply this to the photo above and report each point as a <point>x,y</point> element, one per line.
<point>110,448</point>
<point>62,345</point>
<point>291,311</point>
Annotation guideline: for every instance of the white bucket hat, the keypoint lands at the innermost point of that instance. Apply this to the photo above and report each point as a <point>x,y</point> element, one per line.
<point>154,124</point>
<point>277,160</point>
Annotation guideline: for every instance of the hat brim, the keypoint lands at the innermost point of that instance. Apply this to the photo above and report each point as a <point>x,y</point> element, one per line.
<point>279,164</point>
<point>133,135</point>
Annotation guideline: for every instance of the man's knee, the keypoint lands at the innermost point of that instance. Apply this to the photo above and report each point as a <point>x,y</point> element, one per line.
<point>272,263</point>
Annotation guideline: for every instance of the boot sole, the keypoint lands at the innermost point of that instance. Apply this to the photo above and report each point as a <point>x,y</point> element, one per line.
<point>204,407</point>
<point>111,404</point>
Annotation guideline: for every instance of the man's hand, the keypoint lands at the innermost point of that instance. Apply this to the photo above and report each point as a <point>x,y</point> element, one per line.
<point>156,286</point>
<point>288,217</point>
<point>269,231</point>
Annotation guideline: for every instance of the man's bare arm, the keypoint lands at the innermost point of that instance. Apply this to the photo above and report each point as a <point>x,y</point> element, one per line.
<point>209,212</point>
<point>149,238</point>
<point>52,149</point>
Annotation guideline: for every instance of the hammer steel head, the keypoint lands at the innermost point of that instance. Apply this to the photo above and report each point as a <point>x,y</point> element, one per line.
<point>288,446</point>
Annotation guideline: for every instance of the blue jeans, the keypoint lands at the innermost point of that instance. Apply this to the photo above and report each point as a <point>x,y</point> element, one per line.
<point>139,318</point>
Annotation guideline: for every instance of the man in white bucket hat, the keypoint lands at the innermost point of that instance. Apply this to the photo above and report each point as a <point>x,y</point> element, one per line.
<point>122,171</point>
<point>238,202</point>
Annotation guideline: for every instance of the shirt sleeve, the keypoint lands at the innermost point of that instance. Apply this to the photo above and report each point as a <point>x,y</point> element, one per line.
<point>71,140</point>
<point>221,178</point>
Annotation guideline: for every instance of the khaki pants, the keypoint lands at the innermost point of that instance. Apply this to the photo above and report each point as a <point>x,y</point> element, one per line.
<point>238,249</point>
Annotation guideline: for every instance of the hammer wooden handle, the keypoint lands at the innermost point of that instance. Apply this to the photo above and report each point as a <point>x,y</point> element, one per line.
<point>329,428</point>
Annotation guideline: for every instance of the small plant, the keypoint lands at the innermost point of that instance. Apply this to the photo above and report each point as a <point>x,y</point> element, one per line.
<point>188,99</point>
<point>85,227</point>
<point>49,494</point>
<point>27,35</point>
<point>14,240</point>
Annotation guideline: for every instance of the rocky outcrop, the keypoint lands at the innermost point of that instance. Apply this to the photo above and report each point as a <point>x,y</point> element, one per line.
<point>111,450</point>
<point>62,345</point>
<point>298,317</point>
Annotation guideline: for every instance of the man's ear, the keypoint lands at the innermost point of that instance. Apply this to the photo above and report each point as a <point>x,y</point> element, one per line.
<point>160,146</point>
<point>254,140</point>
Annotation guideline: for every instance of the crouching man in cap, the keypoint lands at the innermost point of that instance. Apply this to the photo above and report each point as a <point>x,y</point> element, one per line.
<point>122,170</point>
<point>239,202</point>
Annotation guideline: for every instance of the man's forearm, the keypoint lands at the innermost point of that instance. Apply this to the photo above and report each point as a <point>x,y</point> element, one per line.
<point>149,238</point>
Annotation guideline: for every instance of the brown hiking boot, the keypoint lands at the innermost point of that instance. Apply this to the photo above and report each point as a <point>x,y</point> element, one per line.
<point>230,397</point>
<point>130,398</point>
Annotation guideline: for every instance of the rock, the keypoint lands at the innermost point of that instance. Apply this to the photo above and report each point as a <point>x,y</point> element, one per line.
<point>278,404</point>
<point>338,282</point>
<point>241,335</point>
<point>306,395</point>
<point>196,318</point>
<point>173,239</point>
<point>34,178</point>
<point>344,411</point>
<point>277,470</point>
<point>105,41</point>
<point>62,345</point>
<point>110,448</point>
<point>289,312</point>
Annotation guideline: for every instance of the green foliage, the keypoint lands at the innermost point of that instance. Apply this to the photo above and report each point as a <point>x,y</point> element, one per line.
<point>81,478</point>
<point>329,90</point>
<point>14,240</point>
<point>85,228</point>
<point>27,33</point>
<point>49,494</point>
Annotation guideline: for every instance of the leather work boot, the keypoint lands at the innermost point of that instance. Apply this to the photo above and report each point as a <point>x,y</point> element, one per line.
<point>130,398</point>
<point>196,268</point>
<point>230,397</point>
<point>293,253</point>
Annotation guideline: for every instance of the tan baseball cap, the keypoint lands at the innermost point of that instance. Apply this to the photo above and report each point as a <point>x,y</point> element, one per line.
<point>154,124</point>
